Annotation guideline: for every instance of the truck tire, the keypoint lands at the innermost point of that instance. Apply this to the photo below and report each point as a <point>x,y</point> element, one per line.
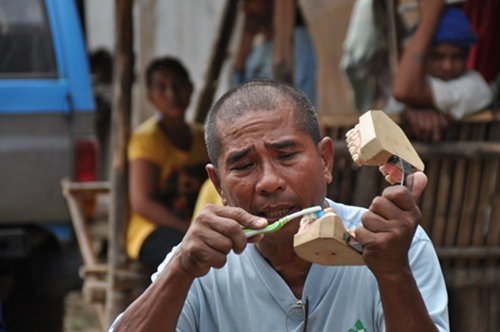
<point>27,311</point>
<point>40,282</point>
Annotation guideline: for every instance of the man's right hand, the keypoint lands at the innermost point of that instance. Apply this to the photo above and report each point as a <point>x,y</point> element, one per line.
<point>214,233</point>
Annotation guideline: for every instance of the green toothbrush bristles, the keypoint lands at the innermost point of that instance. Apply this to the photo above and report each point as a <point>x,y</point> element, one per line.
<point>314,212</point>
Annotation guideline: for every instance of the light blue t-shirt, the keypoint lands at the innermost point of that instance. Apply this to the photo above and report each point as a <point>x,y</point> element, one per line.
<point>247,294</point>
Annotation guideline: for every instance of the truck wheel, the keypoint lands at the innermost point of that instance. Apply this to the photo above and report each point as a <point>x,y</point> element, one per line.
<point>26,310</point>
<point>40,283</point>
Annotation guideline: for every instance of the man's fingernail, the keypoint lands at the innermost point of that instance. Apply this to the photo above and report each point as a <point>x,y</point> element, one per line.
<point>262,222</point>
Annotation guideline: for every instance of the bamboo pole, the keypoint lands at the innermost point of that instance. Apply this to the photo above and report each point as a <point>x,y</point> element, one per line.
<point>216,61</point>
<point>120,131</point>
<point>393,36</point>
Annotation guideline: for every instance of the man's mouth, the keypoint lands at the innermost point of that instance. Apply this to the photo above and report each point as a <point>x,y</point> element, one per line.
<point>275,214</point>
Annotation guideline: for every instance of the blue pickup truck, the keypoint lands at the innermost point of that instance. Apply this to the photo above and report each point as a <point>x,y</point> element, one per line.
<point>47,111</point>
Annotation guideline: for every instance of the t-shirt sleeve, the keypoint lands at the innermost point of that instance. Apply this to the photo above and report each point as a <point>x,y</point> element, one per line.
<point>144,146</point>
<point>429,277</point>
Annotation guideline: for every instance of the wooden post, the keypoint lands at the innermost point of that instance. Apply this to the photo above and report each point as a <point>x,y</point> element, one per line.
<point>216,61</point>
<point>393,36</point>
<point>328,22</point>
<point>120,130</point>
<point>146,27</point>
<point>283,25</point>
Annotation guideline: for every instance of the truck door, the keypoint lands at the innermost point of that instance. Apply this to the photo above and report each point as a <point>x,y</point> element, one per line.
<point>46,103</point>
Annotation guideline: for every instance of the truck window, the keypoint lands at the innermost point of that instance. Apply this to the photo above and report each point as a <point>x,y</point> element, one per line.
<point>26,49</point>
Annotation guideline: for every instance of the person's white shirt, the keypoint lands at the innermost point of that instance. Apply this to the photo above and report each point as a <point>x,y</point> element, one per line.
<point>464,95</point>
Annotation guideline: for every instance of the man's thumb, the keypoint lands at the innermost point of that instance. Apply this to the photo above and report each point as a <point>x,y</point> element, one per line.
<point>419,182</point>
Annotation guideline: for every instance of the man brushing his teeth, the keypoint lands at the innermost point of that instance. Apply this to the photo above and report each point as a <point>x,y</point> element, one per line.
<point>268,160</point>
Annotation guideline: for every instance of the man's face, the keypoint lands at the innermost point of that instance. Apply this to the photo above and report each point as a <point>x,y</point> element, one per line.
<point>270,168</point>
<point>446,62</point>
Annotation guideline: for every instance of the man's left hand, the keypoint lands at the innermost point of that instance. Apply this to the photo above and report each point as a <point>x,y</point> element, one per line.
<point>389,226</point>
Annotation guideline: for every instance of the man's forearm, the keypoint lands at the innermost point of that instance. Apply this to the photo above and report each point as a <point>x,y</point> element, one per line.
<point>159,307</point>
<point>404,308</point>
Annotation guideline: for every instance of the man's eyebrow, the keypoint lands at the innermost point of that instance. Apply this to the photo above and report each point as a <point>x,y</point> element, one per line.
<point>236,156</point>
<point>282,145</point>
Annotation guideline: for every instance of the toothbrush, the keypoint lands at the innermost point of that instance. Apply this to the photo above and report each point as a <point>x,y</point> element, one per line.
<point>310,213</point>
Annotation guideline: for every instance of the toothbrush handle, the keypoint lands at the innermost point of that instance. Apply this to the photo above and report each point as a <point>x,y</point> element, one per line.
<point>249,232</point>
<point>278,224</point>
<point>252,232</point>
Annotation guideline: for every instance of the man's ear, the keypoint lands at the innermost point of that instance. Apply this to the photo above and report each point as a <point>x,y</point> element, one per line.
<point>213,174</point>
<point>325,147</point>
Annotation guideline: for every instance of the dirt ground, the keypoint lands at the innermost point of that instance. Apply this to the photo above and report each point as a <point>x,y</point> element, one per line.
<point>79,316</point>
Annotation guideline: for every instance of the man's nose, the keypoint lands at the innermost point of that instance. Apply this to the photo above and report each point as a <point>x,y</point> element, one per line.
<point>270,180</point>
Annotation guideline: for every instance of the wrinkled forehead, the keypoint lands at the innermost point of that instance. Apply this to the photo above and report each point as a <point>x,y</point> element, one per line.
<point>245,116</point>
<point>257,124</point>
<point>236,110</point>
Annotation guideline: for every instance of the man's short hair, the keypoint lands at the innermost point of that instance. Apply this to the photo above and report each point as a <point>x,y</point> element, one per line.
<point>259,95</point>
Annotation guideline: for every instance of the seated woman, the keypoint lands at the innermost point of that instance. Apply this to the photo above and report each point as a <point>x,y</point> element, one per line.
<point>167,159</point>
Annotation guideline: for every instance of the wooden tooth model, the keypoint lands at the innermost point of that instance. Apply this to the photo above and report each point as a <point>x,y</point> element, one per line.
<point>377,138</point>
<point>377,141</point>
<point>321,241</point>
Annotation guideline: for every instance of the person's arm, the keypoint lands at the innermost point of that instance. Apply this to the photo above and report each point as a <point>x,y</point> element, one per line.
<point>387,233</point>
<point>216,232</point>
<point>159,307</point>
<point>144,179</point>
<point>410,85</point>
<point>253,25</point>
<point>243,51</point>
<point>250,29</point>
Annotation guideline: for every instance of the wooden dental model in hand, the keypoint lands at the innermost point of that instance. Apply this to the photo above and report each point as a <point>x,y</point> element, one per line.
<point>377,141</point>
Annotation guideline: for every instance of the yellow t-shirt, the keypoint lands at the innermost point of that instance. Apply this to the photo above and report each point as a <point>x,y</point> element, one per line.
<point>181,175</point>
<point>208,195</point>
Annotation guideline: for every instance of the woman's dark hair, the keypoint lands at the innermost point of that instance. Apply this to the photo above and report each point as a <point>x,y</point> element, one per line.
<point>168,63</point>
